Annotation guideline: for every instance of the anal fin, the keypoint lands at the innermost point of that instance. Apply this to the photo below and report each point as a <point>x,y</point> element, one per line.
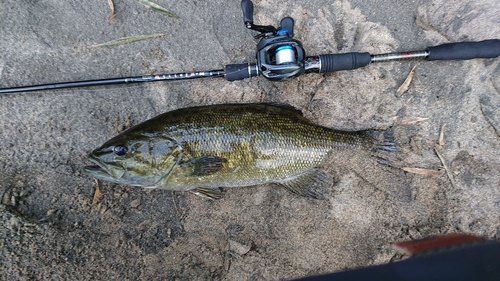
<point>312,183</point>
<point>212,193</point>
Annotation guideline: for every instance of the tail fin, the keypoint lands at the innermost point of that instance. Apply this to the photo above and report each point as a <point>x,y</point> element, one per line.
<point>383,141</point>
<point>383,147</point>
<point>388,143</point>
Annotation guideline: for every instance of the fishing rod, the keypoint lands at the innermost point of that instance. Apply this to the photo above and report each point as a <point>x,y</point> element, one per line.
<point>280,57</point>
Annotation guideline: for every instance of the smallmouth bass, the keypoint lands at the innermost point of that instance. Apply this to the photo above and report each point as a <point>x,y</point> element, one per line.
<point>201,149</point>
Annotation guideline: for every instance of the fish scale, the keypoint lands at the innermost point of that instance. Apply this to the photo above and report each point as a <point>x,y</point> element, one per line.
<point>250,136</point>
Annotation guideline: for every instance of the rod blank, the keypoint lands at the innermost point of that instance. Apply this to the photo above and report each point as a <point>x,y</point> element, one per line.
<point>114,81</point>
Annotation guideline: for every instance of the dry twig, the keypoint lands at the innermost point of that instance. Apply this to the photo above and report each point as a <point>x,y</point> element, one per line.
<point>175,205</point>
<point>421,171</point>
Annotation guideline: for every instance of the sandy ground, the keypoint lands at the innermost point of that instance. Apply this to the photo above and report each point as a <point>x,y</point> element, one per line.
<point>50,231</point>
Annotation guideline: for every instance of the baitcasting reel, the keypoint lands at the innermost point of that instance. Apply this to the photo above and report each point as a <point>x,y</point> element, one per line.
<point>279,56</point>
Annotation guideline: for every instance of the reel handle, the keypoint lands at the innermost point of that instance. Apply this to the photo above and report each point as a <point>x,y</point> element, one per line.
<point>247,8</point>
<point>286,25</point>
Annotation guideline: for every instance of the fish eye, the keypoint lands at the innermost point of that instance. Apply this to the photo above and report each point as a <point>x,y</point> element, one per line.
<point>120,150</point>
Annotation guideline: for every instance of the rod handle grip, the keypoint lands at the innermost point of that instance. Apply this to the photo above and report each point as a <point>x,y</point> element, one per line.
<point>240,71</point>
<point>465,50</point>
<point>347,61</point>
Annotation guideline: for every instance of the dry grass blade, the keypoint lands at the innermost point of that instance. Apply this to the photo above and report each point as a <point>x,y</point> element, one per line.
<point>97,193</point>
<point>113,12</point>
<point>126,40</point>
<point>437,149</point>
<point>156,7</point>
<point>421,171</point>
<point>412,119</point>
<point>406,84</point>
<point>443,161</point>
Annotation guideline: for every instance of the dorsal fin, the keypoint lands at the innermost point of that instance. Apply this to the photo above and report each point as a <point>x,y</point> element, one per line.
<point>286,106</point>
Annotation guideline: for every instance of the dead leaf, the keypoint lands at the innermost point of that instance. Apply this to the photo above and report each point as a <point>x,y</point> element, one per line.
<point>156,7</point>
<point>441,136</point>
<point>421,171</point>
<point>113,12</point>
<point>402,111</point>
<point>406,84</point>
<point>130,39</point>
<point>97,193</point>
<point>412,119</point>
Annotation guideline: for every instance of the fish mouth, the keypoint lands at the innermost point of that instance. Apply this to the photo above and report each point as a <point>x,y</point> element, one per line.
<point>92,168</point>
<point>102,171</point>
<point>96,170</point>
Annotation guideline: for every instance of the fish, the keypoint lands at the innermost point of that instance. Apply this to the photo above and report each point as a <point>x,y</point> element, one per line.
<point>205,148</point>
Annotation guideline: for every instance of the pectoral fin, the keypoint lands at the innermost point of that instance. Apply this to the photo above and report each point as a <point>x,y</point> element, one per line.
<point>202,166</point>
<point>208,192</point>
<point>312,184</point>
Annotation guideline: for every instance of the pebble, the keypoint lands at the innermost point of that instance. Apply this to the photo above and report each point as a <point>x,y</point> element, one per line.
<point>238,247</point>
<point>135,203</point>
